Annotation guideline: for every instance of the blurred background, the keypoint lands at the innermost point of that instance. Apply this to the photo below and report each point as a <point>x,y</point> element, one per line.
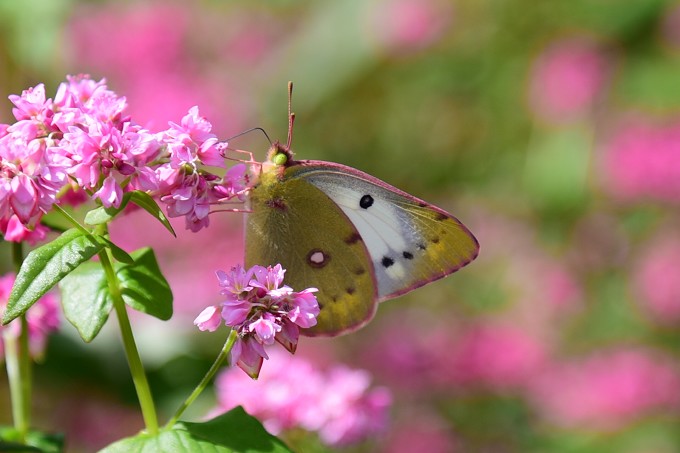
<point>551,129</point>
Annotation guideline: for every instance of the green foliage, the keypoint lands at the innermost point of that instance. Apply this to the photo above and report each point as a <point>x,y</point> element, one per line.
<point>45,266</point>
<point>86,299</point>
<point>102,215</point>
<point>35,441</point>
<point>234,431</point>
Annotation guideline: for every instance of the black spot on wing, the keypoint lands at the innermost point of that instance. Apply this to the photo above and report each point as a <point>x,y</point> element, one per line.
<point>387,262</point>
<point>366,201</point>
<point>350,290</point>
<point>408,255</point>
<point>359,271</point>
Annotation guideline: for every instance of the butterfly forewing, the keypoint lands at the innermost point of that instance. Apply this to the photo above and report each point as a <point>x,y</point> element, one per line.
<point>294,223</point>
<point>410,242</point>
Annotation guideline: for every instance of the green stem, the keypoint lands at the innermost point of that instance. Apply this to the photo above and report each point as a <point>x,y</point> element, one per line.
<point>224,353</point>
<point>131,353</point>
<point>18,363</point>
<point>70,218</point>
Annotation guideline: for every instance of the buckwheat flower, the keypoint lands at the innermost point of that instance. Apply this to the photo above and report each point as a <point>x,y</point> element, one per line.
<point>262,311</point>
<point>15,231</point>
<point>209,319</point>
<point>237,281</point>
<point>42,318</point>
<point>268,278</point>
<point>338,404</point>
<point>608,390</point>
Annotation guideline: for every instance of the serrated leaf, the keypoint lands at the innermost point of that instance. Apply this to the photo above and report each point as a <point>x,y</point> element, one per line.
<point>144,201</point>
<point>234,431</point>
<point>85,299</point>
<point>45,266</point>
<point>143,286</point>
<point>102,214</point>
<point>118,253</point>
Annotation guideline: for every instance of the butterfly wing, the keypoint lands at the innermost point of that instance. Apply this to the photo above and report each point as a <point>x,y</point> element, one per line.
<point>410,242</point>
<point>294,223</point>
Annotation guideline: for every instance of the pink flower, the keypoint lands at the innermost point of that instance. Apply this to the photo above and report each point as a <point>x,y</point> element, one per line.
<point>15,231</point>
<point>337,404</point>
<point>42,318</point>
<point>495,356</point>
<point>248,354</point>
<point>608,389</point>
<point>110,193</point>
<point>655,280</point>
<point>565,80</point>
<point>209,319</point>
<point>407,25</point>
<point>422,432</point>
<point>236,282</point>
<point>352,410</point>
<point>641,161</point>
<point>261,312</point>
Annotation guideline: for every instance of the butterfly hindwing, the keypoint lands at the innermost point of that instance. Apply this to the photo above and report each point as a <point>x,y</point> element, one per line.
<point>295,224</point>
<point>410,242</point>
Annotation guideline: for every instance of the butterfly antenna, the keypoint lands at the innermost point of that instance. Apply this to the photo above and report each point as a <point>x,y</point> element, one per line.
<point>291,116</point>
<point>248,131</point>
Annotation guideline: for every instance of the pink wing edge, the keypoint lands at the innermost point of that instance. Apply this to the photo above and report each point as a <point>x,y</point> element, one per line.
<point>378,182</point>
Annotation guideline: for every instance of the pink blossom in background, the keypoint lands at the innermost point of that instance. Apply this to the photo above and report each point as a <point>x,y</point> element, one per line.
<point>338,403</point>
<point>608,389</point>
<point>407,25</point>
<point>404,355</point>
<point>162,57</point>
<point>494,356</point>
<point>670,27</point>
<point>99,420</point>
<point>566,79</point>
<point>421,432</point>
<point>656,280</point>
<point>42,317</point>
<point>640,161</point>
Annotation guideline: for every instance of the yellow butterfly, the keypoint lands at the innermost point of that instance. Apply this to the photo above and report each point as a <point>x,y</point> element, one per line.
<point>357,239</point>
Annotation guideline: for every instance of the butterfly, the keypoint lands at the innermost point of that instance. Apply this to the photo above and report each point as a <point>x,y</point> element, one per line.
<point>357,239</point>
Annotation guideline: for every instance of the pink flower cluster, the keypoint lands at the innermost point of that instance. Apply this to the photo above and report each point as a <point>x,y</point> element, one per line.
<point>339,404</point>
<point>641,161</point>
<point>566,79</point>
<point>83,139</point>
<point>609,389</point>
<point>655,281</point>
<point>42,318</point>
<point>261,311</point>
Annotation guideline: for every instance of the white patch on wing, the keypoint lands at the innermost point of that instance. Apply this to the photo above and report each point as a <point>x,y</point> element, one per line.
<point>385,233</point>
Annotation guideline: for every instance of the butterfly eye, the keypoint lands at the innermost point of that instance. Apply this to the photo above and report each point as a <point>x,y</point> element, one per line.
<point>280,159</point>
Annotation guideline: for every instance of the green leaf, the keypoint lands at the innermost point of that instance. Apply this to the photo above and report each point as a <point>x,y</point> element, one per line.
<point>87,302</point>
<point>143,286</point>
<point>144,201</point>
<point>118,253</point>
<point>234,431</point>
<point>45,266</point>
<point>100,215</point>
<point>85,299</point>
<point>36,441</point>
